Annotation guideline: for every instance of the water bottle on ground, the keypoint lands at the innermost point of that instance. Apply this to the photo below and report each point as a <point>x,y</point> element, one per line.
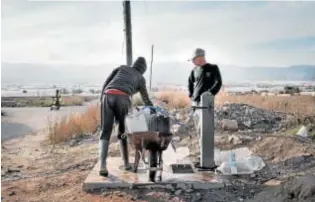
<point>233,163</point>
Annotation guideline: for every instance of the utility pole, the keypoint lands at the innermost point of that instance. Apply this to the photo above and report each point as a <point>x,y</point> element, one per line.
<point>127,18</point>
<point>152,50</point>
<point>128,34</point>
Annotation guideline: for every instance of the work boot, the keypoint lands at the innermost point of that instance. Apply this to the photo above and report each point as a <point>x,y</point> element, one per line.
<point>124,153</point>
<point>103,150</point>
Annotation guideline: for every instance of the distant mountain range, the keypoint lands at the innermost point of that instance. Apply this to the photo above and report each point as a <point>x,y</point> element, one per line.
<point>176,73</point>
<point>291,73</point>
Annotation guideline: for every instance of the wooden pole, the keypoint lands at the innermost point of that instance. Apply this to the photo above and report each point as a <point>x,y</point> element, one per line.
<point>128,32</point>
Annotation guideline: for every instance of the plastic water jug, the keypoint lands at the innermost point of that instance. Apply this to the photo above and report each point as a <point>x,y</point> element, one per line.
<point>136,122</point>
<point>233,163</point>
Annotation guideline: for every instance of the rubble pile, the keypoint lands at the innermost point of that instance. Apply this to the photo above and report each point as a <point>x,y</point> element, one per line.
<point>238,117</point>
<point>251,118</point>
<point>295,190</point>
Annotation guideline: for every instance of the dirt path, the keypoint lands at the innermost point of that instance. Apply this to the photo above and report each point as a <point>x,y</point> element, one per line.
<point>35,171</point>
<point>21,121</point>
<point>32,170</point>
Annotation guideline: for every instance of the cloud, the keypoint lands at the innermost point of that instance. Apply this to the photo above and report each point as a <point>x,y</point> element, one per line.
<point>242,33</point>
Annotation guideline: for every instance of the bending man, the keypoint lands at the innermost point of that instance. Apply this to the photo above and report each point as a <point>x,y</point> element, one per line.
<point>117,90</point>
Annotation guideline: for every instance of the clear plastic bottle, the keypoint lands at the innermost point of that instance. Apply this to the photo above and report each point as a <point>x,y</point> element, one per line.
<point>233,165</point>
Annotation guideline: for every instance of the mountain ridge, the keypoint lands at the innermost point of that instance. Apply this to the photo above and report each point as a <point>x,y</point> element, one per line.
<point>162,73</point>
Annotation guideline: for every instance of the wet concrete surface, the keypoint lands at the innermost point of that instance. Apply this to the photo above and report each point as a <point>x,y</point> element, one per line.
<point>119,178</point>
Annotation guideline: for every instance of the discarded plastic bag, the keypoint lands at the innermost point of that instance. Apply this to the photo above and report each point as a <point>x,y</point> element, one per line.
<point>255,163</point>
<point>302,132</point>
<point>224,156</point>
<point>241,168</point>
<point>246,165</point>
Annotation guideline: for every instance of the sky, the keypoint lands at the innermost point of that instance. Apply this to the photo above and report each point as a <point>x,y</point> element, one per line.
<point>91,33</point>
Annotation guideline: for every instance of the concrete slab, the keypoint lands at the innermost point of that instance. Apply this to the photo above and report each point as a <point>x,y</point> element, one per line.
<point>123,179</point>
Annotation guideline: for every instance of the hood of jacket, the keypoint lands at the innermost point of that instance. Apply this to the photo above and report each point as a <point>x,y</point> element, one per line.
<point>140,65</point>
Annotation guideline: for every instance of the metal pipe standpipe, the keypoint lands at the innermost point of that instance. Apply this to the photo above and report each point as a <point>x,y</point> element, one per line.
<point>206,141</point>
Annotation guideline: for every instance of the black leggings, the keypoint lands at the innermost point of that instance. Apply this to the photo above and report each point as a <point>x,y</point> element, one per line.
<point>113,107</point>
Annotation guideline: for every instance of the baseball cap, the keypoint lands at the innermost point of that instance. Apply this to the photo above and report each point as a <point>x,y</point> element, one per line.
<point>197,52</point>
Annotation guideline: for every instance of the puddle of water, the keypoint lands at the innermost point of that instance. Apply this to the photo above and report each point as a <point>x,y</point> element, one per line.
<point>220,156</point>
<point>246,163</point>
<point>172,157</point>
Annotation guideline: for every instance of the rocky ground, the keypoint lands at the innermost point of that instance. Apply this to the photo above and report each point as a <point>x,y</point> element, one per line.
<point>32,170</point>
<point>245,118</point>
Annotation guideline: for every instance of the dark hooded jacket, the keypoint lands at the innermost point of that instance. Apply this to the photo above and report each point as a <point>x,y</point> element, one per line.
<point>202,79</point>
<point>129,80</point>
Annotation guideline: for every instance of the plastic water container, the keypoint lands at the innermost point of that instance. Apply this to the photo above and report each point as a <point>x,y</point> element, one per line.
<point>147,112</point>
<point>137,122</point>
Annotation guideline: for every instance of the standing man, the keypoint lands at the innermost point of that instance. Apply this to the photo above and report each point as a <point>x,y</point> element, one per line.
<point>205,77</point>
<point>57,99</point>
<point>117,90</point>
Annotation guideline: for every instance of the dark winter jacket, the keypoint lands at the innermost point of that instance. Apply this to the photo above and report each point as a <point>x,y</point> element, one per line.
<point>202,79</point>
<point>129,80</point>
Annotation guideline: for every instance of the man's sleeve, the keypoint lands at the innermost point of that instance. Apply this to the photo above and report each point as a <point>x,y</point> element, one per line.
<point>218,81</point>
<point>191,81</point>
<point>109,78</point>
<point>144,93</point>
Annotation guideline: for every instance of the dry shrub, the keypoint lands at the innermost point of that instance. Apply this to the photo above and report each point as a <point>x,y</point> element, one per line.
<point>174,99</point>
<point>299,104</point>
<point>45,101</point>
<point>75,125</point>
<point>72,100</point>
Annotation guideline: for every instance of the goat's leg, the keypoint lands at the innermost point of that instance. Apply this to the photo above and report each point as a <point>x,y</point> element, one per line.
<point>153,161</point>
<point>137,159</point>
<point>143,152</point>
